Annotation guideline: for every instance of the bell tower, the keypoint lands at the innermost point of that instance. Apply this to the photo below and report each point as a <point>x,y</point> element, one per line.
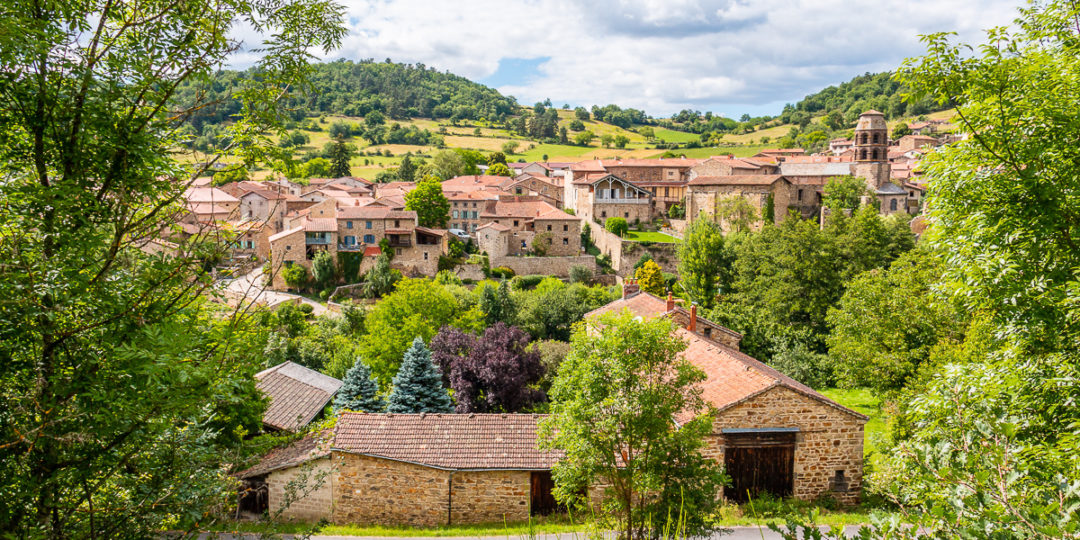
<point>871,137</point>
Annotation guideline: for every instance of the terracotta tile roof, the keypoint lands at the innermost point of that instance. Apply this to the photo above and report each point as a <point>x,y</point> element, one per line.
<point>321,225</point>
<point>872,112</point>
<point>309,447</point>
<point>446,441</point>
<point>518,209</point>
<point>208,195</point>
<point>285,233</point>
<point>477,195</point>
<point>731,376</point>
<point>736,180</point>
<point>426,230</point>
<point>658,162</point>
<point>475,182</point>
<point>208,208</point>
<point>297,395</point>
<point>493,225</point>
<point>372,251</point>
<point>373,212</point>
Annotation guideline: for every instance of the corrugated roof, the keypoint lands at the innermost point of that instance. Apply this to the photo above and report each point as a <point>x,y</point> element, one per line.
<point>446,441</point>
<point>297,395</point>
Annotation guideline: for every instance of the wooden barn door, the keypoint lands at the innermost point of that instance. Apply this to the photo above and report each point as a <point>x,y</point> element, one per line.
<point>543,501</point>
<point>759,463</point>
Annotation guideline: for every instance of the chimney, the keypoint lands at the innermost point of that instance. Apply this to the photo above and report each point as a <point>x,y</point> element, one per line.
<point>693,317</point>
<point>670,301</point>
<point>630,288</point>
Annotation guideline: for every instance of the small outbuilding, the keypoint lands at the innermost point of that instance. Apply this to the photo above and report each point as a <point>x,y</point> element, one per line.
<point>297,395</point>
<point>413,469</point>
<point>772,433</point>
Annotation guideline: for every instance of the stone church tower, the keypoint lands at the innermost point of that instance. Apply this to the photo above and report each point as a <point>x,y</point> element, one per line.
<point>872,149</point>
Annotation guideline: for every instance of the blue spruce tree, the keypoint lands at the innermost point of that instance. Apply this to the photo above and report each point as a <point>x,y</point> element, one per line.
<point>358,392</point>
<point>418,384</point>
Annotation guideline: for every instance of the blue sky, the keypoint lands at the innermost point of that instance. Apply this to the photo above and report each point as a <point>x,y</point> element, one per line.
<point>727,56</point>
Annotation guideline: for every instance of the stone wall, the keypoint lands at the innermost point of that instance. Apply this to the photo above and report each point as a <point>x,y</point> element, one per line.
<point>376,491</point>
<point>551,266</point>
<point>490,496</point>
<point>312,487</point>
<point>625,254</point>
<point>829,440</point>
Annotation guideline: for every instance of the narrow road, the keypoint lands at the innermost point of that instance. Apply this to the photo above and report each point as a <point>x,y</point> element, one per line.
<point>734,533</point>
<point>250,287</point>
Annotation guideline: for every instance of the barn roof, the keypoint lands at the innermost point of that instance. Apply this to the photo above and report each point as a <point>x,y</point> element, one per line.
<point>297,395</point>
<point>446,441</point>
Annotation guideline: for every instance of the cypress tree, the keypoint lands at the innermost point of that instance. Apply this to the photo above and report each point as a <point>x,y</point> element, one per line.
<point>358,392</point>
<point>418,384</point>
<point>339,159</point>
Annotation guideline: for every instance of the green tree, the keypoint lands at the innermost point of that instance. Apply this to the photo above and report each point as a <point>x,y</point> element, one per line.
<point>736,213</point>
<point>317,168</point>
<point>496,303</point>
<point>417,307</point>
<point>427,200</point>
<point>407,170</point>
<point>295,276</point>
<point>584,138</point>
<point>606,140</point>
<point>418,385</point>
<point>499,169</point>
<point>704,262</point>
<point>621,141</point>
<point>647,132</point>
<point>358,391</point>
<point>843,193</point>
<point>125,396</point>
<point>887,323</point>
<point>323,269</point>
<point>901,130</point>
<point>616,225</point>
<point>613,408</point>
<point>448,164</point>
<point>340,156</point>
<point>230,175</point>
<point>380,279</point>
<point>510,147</point>
<point>496,157</point>
<point>650,278</point>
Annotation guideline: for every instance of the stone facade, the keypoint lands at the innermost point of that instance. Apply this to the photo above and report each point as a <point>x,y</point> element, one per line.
<point>549,266</point>
<point>490,496</point>
<point>313,480</point>
<point>704,198</point>
<point>829,440</point>
<point>361,489</point>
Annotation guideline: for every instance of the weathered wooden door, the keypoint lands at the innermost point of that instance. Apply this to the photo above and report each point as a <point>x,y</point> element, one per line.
<point>759,463</point>
<point>543,501</point>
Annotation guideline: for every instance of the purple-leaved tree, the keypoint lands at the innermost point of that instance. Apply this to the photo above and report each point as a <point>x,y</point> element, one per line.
<point>491,373</point>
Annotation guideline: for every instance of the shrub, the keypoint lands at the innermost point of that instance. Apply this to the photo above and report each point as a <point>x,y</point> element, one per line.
<point>800,363</point>
<point>526,282</point>
<point>324,294</point>
<point>616,225</point>
<point>569,211</point>
<point>295,276</point>
<point>502,272</point>
<point>447,263</point>
<point>604,262</point>
<point>580,274</point>
<point>676,212</point>
<point>306,309</point>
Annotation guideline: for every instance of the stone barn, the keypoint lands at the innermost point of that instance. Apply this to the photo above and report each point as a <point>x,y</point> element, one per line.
<point>773,433</point>
<point>413,469</point>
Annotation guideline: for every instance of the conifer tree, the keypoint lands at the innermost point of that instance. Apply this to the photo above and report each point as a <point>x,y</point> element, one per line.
<point>358,392</point>
<point>418,384</point>
<point>340,154</point>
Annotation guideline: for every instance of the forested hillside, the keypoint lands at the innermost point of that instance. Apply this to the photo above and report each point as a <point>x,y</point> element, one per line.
<point>879,91</point>
<point>349,88</point>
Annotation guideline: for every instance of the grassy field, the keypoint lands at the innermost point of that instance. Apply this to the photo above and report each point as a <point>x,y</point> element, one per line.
<point>639,236</point>
<point>670,135</point>
<point>863,400</point>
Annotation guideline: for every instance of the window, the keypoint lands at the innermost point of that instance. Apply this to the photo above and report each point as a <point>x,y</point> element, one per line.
<point>603,213</point>
<point>626,215</point>
<point>800,194</point>
<point>565,227</point>
<point>454,214</point>
<point>892,205</point>
<point>367,224</point>
<point>475,214</point>
<point>522,244</point>
<point>425,256</point>
<point>348,224</point>
<point>550,239</point>
<point>549,227</point>
<point>397,223</point>
<point>667,192</point>
<point>517,191</point>
<point>515,223</point>
<point>350,240</point>
<point>397,251</point>
<point>474,227</point>
<point>369,238</point>
<point>566,241</point>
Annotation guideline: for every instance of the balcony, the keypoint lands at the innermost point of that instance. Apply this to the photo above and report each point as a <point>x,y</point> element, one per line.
<point>621,201</point>
<point>317,238</point>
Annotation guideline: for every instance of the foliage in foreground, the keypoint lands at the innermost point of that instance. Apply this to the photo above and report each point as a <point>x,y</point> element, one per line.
<point>613,410</point>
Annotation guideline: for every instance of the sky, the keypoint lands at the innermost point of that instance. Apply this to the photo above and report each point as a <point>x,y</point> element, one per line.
<point>661,56</point>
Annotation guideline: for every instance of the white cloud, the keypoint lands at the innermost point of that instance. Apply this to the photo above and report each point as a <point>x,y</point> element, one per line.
<point>662,55</point>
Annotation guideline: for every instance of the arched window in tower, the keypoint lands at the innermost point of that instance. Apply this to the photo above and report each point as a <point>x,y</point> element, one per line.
<point>862,154</point>
<point>862,139</point>
<point>877,138</point>
<point>874,154</point>
<point>892,205</point>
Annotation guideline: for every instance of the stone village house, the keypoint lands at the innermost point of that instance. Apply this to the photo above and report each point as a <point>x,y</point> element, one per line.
<point>772,433</point>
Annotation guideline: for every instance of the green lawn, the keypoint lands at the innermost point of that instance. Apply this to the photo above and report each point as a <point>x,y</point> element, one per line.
<point>864,401</point>
<point>558,523</point>
<point>670,135</point>
<point>639,236</point>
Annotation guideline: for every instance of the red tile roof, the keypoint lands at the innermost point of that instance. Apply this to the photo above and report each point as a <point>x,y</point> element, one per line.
<point>297,395</point>
<point>446,441</point>
<point>311,446</point>
<point>372,251</point>
<point>373,212</point>
<point>321,225</point>
<point>736,180</point>
<point>518,209</point>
